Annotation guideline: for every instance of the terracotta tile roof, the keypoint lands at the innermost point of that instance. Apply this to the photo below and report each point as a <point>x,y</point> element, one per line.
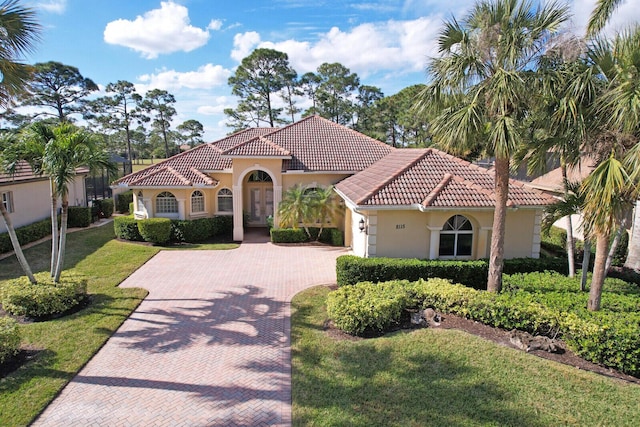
<point>552,180</point>
<point>25,173</point>
<point>313,144</point>
<point>257,147</point>
<point>431,178</point>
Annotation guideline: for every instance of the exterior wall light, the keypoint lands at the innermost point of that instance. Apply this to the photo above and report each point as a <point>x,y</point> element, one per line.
<point>361,225</point>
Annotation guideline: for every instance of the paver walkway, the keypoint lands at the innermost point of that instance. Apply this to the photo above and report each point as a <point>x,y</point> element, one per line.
<point>209,346</point>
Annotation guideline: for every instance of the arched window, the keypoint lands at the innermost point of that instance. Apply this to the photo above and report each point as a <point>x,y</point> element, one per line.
<point>140,201</point>
<point>259,176</point>
<point>166,203</point>
<point>456,237</point>
<point>197,201</point>
<point>225,200</point>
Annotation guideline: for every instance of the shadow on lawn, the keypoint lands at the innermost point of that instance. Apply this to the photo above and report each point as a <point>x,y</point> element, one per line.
<point>365,385</point>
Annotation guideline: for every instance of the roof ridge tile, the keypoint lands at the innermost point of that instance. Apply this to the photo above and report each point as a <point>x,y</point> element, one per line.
<point>437,190</point>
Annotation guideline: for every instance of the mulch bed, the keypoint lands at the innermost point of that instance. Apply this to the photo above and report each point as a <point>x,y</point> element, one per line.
<point>501,337</point>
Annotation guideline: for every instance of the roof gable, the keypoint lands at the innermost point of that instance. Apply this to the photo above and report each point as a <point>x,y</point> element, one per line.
<point>431,178</point>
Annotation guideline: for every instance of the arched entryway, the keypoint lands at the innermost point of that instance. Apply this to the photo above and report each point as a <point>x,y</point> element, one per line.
<point>258,198</point>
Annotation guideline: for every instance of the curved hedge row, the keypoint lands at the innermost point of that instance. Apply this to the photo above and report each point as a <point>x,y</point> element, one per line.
<point>606,337</point>
<point>27,234</point>
<point>351,269</point>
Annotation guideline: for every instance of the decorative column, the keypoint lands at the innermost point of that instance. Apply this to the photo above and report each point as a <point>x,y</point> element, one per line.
<point>372,233</point>
<point>181,209</point>
<point>537,227</point>
<point>277,198</point>
<point>238,228</point>
<point>434,242</point>
<point>483,242</point>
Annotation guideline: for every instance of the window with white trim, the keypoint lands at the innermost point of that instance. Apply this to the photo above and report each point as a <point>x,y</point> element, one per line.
<point>197,202</point>
<point>456,237</point>
<point>225,200</point>
<point>166,203</point>
<point>7,201</point>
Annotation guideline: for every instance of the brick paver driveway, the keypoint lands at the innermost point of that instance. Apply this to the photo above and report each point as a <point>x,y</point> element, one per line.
<point>209,346</point>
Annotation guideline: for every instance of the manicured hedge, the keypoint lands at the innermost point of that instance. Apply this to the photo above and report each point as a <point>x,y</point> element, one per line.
<point>337,237</point>
<point>21,298</point>
<point>126,228</point>
<point>123,200</point>
<point>27,234</point>
<point>155,230</point>
<point>79,216</point>
<point>196,230</point>
<point>288,235</point>
<point>531,302</point>
<point>9,338</point>
<point>351,269</point>
<point>102,208</point>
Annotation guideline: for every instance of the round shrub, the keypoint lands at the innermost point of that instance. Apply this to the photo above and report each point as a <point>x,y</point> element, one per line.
<point>126,228</point>
<point>368,308</point>
<point>9,338</point>
<point>21,298</point>
<point>155,230</point>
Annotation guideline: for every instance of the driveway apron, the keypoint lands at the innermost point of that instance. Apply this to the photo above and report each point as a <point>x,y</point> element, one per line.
<point>209,346</point>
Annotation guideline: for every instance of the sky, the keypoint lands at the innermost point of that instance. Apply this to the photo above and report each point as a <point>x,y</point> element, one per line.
<point>191,47</point>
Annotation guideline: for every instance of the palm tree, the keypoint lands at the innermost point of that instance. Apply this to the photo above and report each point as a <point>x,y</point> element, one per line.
<point>482,83</point>
<point>324,206</point>
<point>295,208</point>
<point>601,15</point>
<point>19,34</point>
<point>9,165</point>
<point>70,148</point>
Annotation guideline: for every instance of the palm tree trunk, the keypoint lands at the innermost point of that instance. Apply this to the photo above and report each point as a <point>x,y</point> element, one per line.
<point>571,244</point>
<point>494,281</point>
<point>599,272</point>
<point>54,228</point>
<point>614,245</point>
<point>63,239</point>
<point>633,259</point>
<point>585,264</point>
<point>17,249</point>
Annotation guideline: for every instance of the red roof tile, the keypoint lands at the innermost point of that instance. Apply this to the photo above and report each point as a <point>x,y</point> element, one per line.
<point>257,147</point>
<point>25,173</point>
<point>430,178</point>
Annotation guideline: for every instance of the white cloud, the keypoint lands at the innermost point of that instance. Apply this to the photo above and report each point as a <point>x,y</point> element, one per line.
<point>158,31</point>
<point>627,13</point>
<point>51,6</point>
<point>205,77</point>
<point>214,25</point>
<point>243,44</point>
<point>366,49</point>
<point>217,106</point>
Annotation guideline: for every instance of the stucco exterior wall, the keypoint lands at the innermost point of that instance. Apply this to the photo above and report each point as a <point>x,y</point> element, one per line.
<point>32,200</point>
<point>310,179</point>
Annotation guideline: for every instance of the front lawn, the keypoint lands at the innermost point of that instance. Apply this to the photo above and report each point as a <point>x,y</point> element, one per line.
<point>439,377</point>
<point>64,346</point>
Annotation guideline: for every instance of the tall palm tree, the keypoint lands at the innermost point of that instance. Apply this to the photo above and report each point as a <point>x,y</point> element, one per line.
<point>70,148</point>
<point>481,81</point>
<point>19,33</point>
<point>601,15</point>
<point>324,206</point>
<point>9,165</point>
<point>295,208</point>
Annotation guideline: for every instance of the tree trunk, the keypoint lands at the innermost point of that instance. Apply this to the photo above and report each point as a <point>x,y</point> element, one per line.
<point>63,239</point>
<point>633,259</point>
<point>17,249</point>
<point>54,228</point>
<point>599,273</point>
<point>585,264</point>
<point>494,281</point>
<point>614,245</point>
<point>571,244</point>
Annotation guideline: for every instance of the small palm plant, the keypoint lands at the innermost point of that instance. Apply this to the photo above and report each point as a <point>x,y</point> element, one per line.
<point>324,206</point>
<point>295,208</point>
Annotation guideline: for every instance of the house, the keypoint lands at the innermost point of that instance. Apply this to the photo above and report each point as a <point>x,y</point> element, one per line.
<point>27,196</point>
<point>402,199</point>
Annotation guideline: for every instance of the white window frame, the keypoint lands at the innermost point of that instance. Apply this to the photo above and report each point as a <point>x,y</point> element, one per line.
<point>166,204</point>
<point>197,202</point>
<point>7,201</point>
<point>456,231</point>
<point>227,197</point>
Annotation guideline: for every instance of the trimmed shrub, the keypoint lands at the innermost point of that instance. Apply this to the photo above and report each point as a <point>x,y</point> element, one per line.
<point>106,207</point>
<point>45,299</point>
<point>9,338</point>
<point>123,201</point>
<point>337,237</point>
<point>191,231</point>
<point>368,308</point>
<point>79,216</point>
<point>351,269</point>
<point>288,235</point>
<point>155,230</point>
<point>126,228</point>
<point>27,234</point>
<point>222,225</point>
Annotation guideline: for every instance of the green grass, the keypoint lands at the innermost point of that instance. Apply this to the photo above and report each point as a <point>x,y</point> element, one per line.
<point>440,377</point>
<point>67,343</point>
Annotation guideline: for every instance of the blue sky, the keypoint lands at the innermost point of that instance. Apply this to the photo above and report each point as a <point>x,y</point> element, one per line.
<point>191,47</point>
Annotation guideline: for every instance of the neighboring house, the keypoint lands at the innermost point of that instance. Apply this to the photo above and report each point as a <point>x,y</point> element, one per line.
<point>27,197</point>
<point>245,174</point>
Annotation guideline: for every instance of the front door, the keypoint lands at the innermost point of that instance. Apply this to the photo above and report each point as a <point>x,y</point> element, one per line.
<point>260,204</point>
